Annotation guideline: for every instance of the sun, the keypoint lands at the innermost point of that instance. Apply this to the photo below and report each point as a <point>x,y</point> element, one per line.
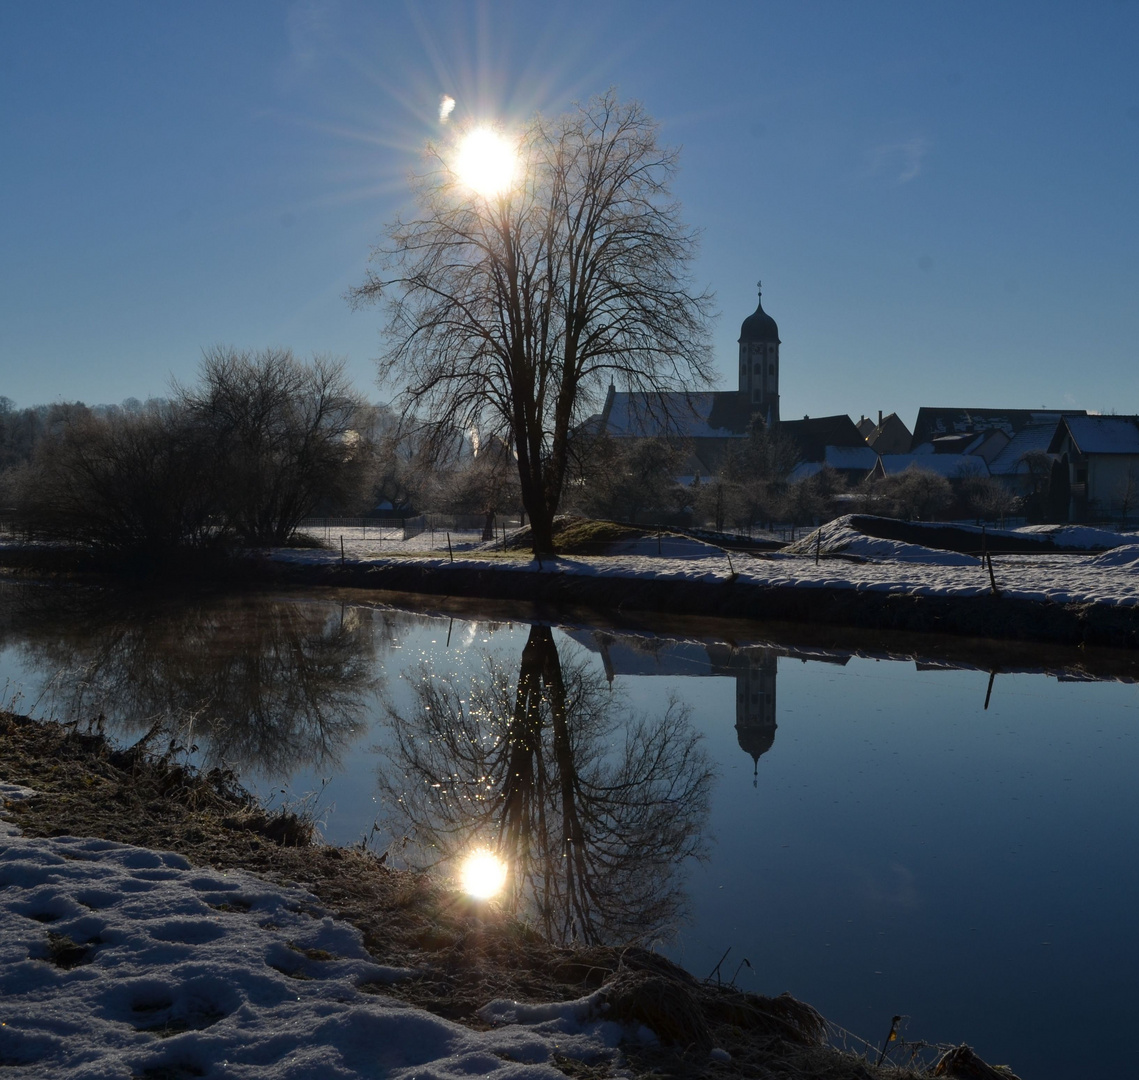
<point>483,875</point>
<point>486,162</point>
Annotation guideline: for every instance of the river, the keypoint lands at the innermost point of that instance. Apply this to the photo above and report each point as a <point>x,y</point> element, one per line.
<point>944,831</point>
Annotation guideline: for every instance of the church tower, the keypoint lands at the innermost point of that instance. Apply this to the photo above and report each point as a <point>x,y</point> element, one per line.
<point>759,363</point>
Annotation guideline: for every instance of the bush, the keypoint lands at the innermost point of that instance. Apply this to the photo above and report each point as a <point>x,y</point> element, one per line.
<point>123,482</point>
<point>281,437</point>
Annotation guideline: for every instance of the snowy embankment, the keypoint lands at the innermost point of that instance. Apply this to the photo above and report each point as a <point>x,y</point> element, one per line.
<point>836,575</point>
<point>117,961</point>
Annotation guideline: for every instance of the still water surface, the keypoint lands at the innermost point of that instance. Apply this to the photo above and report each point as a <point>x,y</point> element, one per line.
<point>857,830</point>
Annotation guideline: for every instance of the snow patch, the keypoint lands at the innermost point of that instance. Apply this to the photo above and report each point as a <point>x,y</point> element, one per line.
<point>1121,558</point>
<point>167,974</point>
<point>839,538</point>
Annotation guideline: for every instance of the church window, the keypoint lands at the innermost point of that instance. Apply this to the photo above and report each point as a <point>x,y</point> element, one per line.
<point>770,369</point>
<point>759,369</point>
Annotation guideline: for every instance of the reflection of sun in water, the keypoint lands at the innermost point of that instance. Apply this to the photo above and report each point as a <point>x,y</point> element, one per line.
<point>486,162</point>
<point>483,875</point>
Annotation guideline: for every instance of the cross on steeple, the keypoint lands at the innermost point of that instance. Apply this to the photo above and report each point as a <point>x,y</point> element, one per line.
<point>759,287</point>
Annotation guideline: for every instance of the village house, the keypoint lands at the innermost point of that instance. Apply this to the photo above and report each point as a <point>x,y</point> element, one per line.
<point>1061,464</point>
<point>1099,456</point>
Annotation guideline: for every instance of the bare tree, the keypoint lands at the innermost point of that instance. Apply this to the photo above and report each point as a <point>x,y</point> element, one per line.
<point>985,497</point>
<point>915,494</point>
<point>485,483</point>
<point>510,314</point>
<point>632,479</point>
<point>127,482</point>
<point>280,435</point>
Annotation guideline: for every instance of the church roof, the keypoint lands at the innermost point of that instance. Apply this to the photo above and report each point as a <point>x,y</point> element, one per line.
<point>677,415</point>
<point>759,327</point>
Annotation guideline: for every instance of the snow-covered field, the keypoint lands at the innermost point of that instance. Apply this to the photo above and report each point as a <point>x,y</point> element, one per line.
<point>375,541</point>
<point>120,962</point>
<point>849,560</point>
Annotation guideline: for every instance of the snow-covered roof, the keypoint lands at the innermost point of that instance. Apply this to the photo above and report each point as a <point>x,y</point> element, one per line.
<point>851,457</point>
<point>845,458</point>
<point>947,465</point>
<point>680,415</point>
<point>932,422</point>
<point>804,471</point>
<point>1032,439</point>
<point>1104,434</point>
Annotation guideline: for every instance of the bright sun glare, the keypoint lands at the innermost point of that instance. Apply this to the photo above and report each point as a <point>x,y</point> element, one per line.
<point>483,875</point>
<point>486,162</point>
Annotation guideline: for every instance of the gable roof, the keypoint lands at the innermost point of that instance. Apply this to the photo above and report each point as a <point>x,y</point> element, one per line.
<point>1032,439</point>
<point>1099,434</point>
<point>858,460</point>
<point>891,436</point>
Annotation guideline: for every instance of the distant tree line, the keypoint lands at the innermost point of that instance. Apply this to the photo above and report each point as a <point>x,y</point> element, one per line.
<point>262,440</point>
<point>243,454</point>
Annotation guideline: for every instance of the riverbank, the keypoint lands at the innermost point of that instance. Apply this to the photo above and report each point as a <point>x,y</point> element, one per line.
<point>1067,585</point>
<point>1063,599</point>
<point>419,943</point>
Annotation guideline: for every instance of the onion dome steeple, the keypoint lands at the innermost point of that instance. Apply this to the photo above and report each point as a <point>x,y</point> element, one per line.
<point>759,364</point>
<point>759,326</point>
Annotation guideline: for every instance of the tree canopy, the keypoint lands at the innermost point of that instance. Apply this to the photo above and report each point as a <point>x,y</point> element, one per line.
<point>510,313</point>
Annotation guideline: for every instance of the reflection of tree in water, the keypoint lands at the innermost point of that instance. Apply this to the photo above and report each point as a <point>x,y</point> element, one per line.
<point>261,684</point>
<point>594,809</point>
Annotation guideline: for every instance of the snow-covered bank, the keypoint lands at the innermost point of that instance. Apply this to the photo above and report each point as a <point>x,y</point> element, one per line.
<point>838,576</point>
<point>118,961</point>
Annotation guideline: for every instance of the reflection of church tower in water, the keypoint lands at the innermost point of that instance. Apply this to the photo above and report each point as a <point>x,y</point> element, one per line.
<point>755,671</point>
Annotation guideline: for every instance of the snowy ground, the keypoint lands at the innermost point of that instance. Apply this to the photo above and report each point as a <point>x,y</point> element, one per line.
<point>373,541</point>
<point>849,560</point>
<point>121,962</point>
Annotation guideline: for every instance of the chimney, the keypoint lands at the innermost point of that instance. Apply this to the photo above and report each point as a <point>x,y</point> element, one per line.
<point>879,417</point>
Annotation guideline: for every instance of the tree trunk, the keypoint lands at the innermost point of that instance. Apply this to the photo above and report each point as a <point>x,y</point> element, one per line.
<point>542,531</point>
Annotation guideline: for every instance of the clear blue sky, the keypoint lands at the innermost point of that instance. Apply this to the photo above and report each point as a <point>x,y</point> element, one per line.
<point>942,199</point>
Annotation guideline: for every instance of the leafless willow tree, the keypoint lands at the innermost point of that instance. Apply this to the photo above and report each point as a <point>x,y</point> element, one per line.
<point>510,314</point>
